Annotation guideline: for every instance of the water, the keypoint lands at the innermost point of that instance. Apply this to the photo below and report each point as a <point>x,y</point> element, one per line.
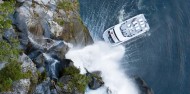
<point>105,58</point>
<point>161,58</point>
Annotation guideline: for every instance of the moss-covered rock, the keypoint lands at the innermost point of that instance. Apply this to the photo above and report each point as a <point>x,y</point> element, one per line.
<point>74,31</point>
<point>6,8</point>
<point>72,81</point>
<point>10,73</point>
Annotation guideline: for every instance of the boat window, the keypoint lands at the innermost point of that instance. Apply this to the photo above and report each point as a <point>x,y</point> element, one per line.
<point>110,38</point>
<point>125,29</point>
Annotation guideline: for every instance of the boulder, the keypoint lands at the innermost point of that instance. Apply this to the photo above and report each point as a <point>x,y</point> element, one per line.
<point>28,65</point>
<point>21,86</point>
<point>66,89</point>
<point>95,80</point>
<point>143,87</point>
<point>43,88</point>
<point>9,34</point>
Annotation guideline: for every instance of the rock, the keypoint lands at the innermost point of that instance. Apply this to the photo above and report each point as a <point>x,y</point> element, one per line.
<point>21,16</point>
<point>39,61</point>
<point>2,65</point>
<point>63,64</point>
<point>95,80</point>
<point>144,89</point>
<point>43,88</point>
<point>8,34</point>
<point>59,50</point>
<point>50,64</point>
<point>29,66</point>
<point>65,89</point>
<point>21,86</point>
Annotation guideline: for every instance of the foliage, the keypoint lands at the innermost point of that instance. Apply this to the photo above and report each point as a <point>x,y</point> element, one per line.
<point>77,81</point>
<point>10,73</point>
<point>59,21</point>
<point>66,5</point>
<point>41,76</point>
<point>6,8</point>
<point>9,52</point>
<point>60,84</point>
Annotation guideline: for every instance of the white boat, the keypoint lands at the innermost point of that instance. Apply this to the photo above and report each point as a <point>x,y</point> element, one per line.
<point>126,30</point>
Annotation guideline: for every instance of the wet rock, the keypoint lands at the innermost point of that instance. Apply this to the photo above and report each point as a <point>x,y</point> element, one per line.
<point>50,65</point>
<point>95,80</point>
<point>144,89</point>
<point>63,64</point>
<point>43,88</point>
<point>66,89</point>
<point>39,61</point>
<point>59,50</point>
<point>28,65</point>
<point>8,34</point>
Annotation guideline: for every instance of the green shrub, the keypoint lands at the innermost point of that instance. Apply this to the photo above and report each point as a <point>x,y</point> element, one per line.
<point>78,80</point>
<point>41,76</point>
<point>6,8</point>
<point>60,84</point>
<point>9,52</point>
<point>66,5</point>
<point>59,21</point>
<point>11,72</point>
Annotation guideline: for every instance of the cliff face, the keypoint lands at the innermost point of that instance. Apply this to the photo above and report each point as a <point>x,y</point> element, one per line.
<point>55,19</point>
<point>46,29</point>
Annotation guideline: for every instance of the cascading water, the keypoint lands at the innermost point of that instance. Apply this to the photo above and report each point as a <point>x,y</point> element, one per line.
<point>105,58</point>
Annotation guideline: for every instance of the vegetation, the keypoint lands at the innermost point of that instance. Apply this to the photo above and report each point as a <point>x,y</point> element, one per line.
<point>11,72</point>
<point>60,84</point>
<point>41,76</point>
<point>6,8</point>
<point>9,52</point>
<point>66,5</point>
<point>59,21</point>
<point>77,81</point>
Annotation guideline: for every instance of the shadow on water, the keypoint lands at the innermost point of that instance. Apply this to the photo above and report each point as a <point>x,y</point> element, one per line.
<point>162,58</point>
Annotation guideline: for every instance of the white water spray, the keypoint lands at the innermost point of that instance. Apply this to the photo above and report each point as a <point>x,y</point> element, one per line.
<point>121,16</point>
<point>105,58</point>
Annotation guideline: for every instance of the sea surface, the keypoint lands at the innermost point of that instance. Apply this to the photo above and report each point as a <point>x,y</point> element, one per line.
<point>162,56</point>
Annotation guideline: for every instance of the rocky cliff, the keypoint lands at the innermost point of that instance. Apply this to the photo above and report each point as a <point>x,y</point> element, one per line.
<point>45,30</point>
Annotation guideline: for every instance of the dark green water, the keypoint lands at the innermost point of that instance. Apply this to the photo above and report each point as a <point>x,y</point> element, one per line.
<point>162,58</point>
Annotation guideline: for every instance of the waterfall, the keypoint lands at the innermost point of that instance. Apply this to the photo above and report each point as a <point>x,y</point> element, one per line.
<point>105,58</point>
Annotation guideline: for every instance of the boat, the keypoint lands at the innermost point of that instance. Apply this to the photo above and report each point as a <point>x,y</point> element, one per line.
<point>126,30</point>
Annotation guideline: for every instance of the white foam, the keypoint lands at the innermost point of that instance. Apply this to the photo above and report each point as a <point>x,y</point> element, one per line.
<point>105,58</point>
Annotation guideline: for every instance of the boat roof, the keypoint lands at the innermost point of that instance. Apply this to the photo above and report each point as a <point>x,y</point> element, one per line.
<point>128,29</point>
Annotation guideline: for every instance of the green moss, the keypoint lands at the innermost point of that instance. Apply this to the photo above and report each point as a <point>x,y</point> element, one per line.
<point>60,84</point>
<point>41,76</point>
<point>59,21</point>
<point>6,8</point>
<point>77,81</point>
<point>9,52</point>
<point>11,72</point>
<point>71,71</point>
<point>66,5</point>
